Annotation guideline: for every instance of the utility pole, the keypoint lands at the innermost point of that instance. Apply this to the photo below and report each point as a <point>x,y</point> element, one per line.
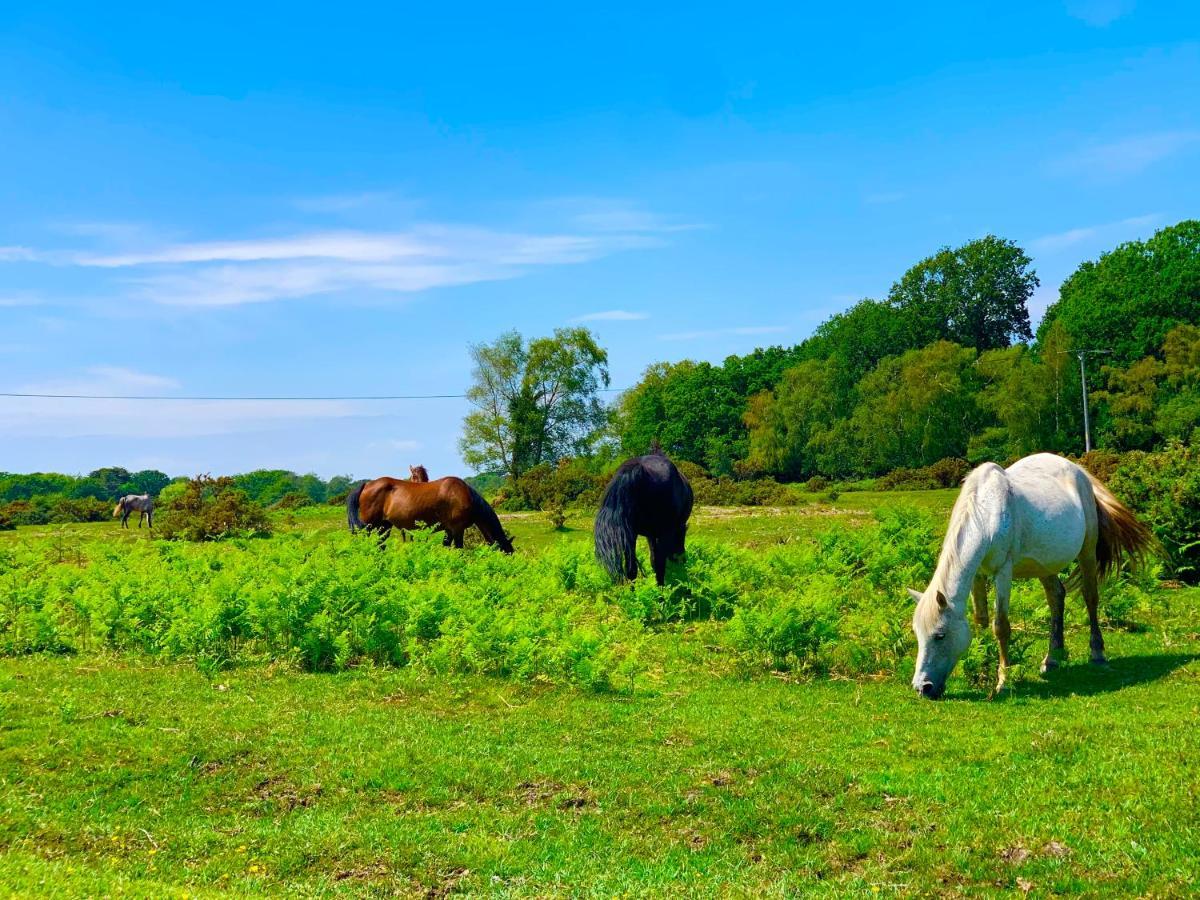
<point>1087,427</point>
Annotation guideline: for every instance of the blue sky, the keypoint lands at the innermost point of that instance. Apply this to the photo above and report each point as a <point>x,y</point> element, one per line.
<point>302,199</point>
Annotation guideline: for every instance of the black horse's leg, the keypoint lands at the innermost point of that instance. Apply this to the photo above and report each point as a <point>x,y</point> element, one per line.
<point>458,540</point>
<point>384,531</point>
<point>658,560</point>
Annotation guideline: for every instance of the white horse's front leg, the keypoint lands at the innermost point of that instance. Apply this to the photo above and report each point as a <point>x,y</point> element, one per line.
<point>979,589</point>
<point>1000,626</point>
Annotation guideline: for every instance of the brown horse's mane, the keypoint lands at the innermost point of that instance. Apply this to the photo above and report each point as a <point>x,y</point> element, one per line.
<point>418,474</point>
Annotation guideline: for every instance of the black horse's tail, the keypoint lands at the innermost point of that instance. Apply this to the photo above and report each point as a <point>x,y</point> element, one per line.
<point>616,542</point>
<point>488,523</point>
<point>352,509</point>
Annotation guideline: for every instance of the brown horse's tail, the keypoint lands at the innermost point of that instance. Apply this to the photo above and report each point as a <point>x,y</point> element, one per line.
<point>1123,538</point>
<point>352,518</point>
<point>485,519</point>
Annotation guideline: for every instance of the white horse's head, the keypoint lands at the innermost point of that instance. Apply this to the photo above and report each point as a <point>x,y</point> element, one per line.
<point>943,636</point>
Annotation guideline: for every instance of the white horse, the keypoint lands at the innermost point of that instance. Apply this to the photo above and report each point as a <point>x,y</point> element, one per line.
<point>1027,521</point>
<point>143,504</point>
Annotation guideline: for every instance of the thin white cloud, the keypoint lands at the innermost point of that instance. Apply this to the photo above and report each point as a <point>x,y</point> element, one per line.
<point>232,272</point>
<point>1127,156</point>
<point>347,246</point>
<point>883,197</point>
<point>615,214</point>
<point>722,332</point>
<point>1099,13</point>
<point>612,315</point>
<point>104,380</point>
<point>1054,243</point>
<point>20,299</point>
<point>17,254</point>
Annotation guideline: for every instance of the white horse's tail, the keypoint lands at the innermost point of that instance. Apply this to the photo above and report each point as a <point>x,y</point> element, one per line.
<point>1123,537</point>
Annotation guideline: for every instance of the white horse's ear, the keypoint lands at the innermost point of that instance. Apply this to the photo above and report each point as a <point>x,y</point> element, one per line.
<point>941,600</point>
<point>916,595</point>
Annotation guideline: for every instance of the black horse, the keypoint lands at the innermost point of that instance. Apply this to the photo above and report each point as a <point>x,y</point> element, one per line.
<point>647,496</point>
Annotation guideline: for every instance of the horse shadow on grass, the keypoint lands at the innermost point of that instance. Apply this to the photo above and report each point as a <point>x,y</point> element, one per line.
<point>1086,680</point>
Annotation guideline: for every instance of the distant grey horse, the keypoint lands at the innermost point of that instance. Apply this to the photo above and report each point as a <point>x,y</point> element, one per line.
<point>142,503</point>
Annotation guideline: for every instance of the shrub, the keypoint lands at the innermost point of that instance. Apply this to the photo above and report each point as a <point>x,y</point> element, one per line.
<point>47,509</point>
<point>950,471</point>
<point>293,500</point>
<point>210,509</point>
<point>816,484</point>
<point>906,479</point>
<point>557,516</point>
<point>947,472</point>
<point>1101,463</point>
<point>1164,489</point>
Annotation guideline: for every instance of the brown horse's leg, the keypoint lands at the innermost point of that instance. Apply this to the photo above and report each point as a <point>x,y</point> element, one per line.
<point>1056,596</point>
<point>1091,596</point>
<point>458,539</point>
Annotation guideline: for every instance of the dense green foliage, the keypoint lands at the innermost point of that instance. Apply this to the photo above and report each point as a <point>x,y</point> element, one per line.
<point>1129,299</point>
<point>102,484</point>
<point>209,509</point>
<point>1164,487</point>
<point>830,603</point>
<point>930,372</point>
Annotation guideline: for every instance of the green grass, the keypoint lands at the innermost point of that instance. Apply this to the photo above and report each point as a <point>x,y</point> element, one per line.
<point>119,774</point>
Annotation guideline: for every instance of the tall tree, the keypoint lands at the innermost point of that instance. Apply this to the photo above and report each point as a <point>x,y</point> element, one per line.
<point>1129,299</point>
<point>974,295</point>
<point>917,408</point>
<point>535,402</point>
<point>690,409</point>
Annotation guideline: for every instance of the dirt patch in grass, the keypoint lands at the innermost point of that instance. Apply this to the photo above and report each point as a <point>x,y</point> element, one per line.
<point>284,794</point>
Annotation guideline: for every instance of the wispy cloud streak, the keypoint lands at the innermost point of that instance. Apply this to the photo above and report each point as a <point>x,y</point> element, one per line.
<point>1124,157</point>
<point>257,270</point>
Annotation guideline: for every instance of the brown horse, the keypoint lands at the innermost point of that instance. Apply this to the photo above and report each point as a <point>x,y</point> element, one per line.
<point>448,504</point>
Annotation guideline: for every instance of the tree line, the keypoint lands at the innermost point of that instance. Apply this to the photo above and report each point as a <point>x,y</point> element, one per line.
<point>947,365</point>
<point>40,498</point>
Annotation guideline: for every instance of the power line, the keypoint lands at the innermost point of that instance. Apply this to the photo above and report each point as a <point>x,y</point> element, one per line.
<point>214,399</point>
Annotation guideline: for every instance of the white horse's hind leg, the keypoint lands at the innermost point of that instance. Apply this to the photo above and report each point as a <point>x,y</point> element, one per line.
<point>1055,597</point>
<point>1091,596</point>
<point>979,589</point>
<point>1000,626</point>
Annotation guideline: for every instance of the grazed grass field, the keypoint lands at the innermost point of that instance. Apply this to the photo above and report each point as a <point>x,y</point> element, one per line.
<point>119,774</point>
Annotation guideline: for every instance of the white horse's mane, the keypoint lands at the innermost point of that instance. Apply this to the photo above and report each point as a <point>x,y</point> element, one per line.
<point>965,512</point>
